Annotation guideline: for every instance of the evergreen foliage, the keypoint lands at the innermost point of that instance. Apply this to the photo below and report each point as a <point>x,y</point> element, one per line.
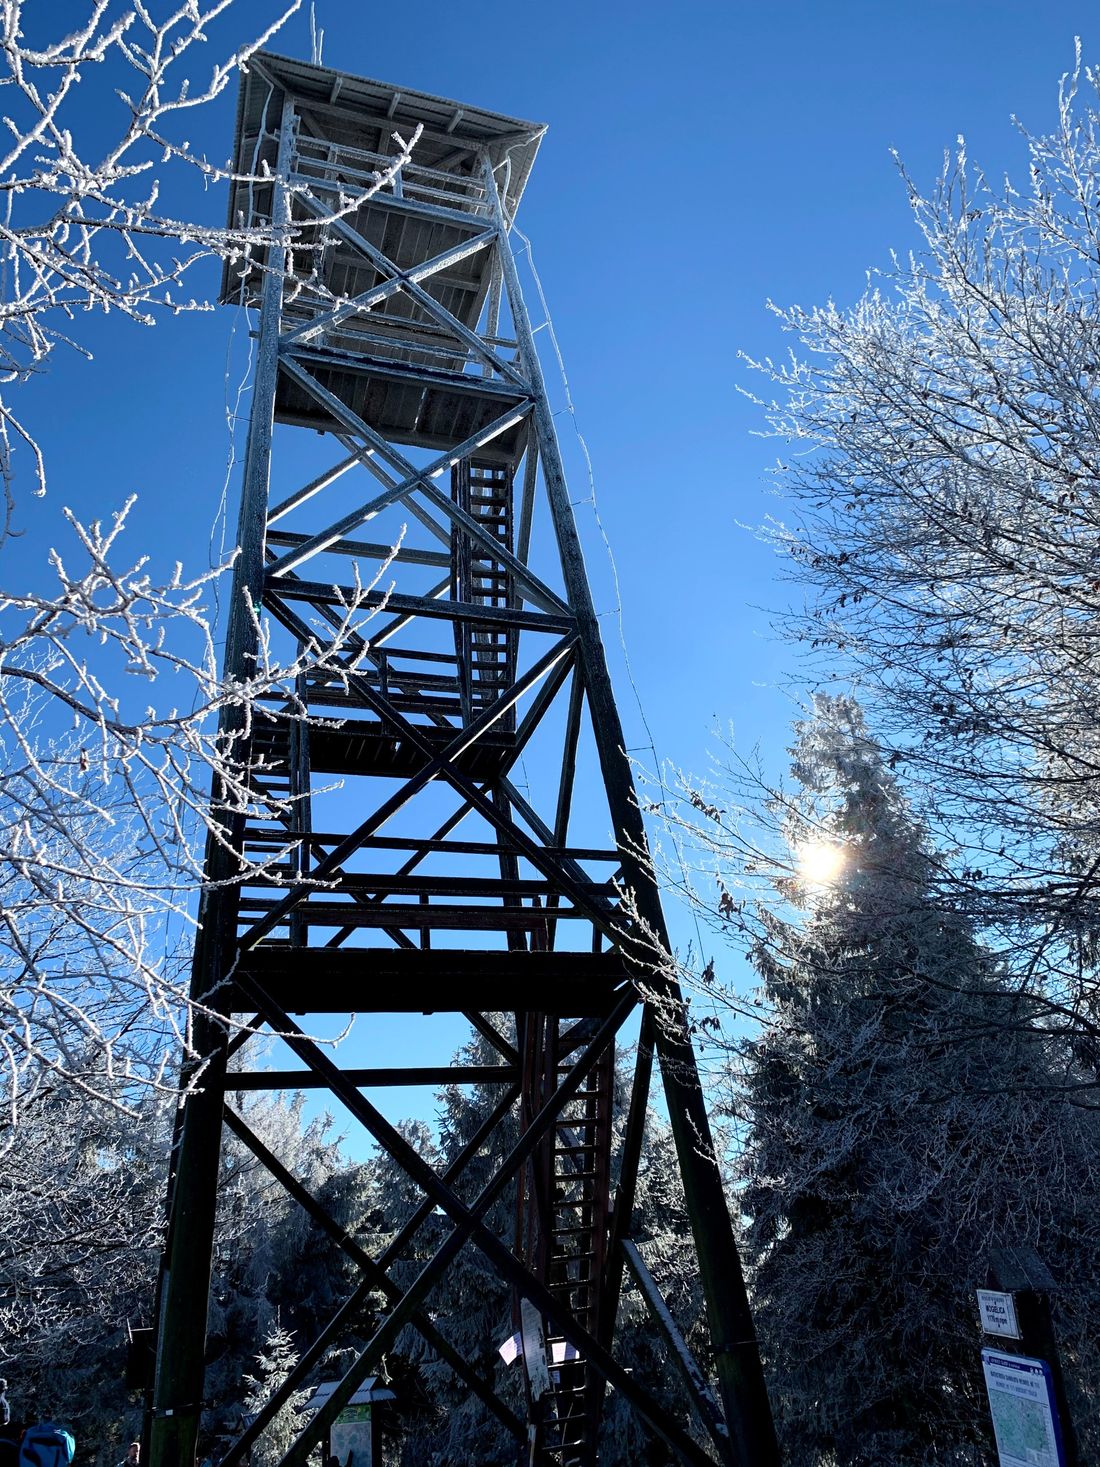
<point>273,1364</point>
<point>81,1225</point>
<point>898,1125</point>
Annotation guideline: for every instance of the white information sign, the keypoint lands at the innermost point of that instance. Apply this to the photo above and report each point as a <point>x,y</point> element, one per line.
<point>998,1312</point>
<point>534,1348</point>
<point>1021,1402</point>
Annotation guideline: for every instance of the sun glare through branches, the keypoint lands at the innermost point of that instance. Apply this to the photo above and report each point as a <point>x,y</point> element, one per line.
<point>821,862</point>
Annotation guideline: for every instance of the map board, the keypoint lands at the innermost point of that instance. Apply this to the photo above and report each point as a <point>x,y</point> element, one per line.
<point>351,1436</point>
<point>1025,1418</point>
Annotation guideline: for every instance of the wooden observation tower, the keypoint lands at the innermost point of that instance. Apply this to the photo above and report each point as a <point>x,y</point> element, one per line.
<point>412,842</point>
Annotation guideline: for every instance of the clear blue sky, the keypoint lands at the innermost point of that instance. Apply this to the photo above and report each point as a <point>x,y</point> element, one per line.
<point>701,158</point>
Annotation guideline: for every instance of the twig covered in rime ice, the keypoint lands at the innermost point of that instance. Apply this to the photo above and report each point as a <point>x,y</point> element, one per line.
<point>105,799</point>
<point>87,231</point>
<point>80,231</point>
<point>107,767</point>
<point>941,441</point>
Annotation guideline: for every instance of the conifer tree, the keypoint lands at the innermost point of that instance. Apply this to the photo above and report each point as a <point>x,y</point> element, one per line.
<point>81,1219</point>
<point>274,1362</point>
<point>897,1126</point>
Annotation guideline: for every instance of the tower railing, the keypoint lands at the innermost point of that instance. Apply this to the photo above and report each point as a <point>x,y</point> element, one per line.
<point>337,166</point>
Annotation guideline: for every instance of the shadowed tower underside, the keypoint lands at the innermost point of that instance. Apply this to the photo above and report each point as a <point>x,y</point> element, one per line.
<point>412,842</point>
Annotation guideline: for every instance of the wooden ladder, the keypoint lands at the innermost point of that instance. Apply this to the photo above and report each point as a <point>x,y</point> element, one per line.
<point>568,1218</point>
<point>279,782</point>
<point>486,655</point>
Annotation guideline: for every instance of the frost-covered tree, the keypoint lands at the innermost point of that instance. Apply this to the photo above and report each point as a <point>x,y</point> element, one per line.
<point>102,799</point>
<point>940,449</point>
<point>88,200</point>
<point>113,710</point>
<point>80,1226</point>
<point>274,1363</point>
<point>81,1223</point>
<point>97,786</point>
<point>898,1122</point>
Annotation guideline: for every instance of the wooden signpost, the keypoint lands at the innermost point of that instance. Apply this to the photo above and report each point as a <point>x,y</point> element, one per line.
<point>355,1437</point>
<point>1023,1372</point>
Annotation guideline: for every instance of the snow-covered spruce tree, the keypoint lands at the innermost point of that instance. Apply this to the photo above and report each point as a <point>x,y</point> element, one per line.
<point>896,1126</point>
<point>274,1362</point>
<point>940,442</point>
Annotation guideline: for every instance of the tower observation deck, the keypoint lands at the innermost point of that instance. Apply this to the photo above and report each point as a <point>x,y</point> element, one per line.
<point>412,839</point>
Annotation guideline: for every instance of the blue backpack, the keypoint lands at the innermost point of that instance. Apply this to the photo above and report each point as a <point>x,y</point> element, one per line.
<point>47,1445</point>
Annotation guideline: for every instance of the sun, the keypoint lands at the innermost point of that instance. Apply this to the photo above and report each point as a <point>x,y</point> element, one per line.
<point>820,862</point>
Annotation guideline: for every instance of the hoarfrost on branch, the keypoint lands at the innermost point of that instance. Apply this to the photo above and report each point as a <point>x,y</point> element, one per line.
<point>105,790</point>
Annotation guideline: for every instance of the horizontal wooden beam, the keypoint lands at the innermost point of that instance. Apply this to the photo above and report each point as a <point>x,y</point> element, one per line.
<point>311,980</point>
<point>369,1079</point>
<point>452,918</point>
<point>363,364</point>
<point>367,549</point>
<point>465,220</point>
<point>282,835</point>
<point>414,884</point>
<point>322,594</point>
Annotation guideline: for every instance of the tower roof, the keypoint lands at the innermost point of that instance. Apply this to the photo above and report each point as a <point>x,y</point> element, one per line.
<point>358,112</point>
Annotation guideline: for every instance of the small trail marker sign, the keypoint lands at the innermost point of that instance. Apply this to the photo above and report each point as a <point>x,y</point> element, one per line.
<point>998,1313</point>
<point>1025,1418</point>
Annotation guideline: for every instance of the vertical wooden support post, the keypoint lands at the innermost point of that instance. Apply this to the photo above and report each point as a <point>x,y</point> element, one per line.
<point>737,1356</point>
<point>630,1159</point>
<point>185,1274</point>
<point>706,1407</point>
<point>1020,1271</point>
